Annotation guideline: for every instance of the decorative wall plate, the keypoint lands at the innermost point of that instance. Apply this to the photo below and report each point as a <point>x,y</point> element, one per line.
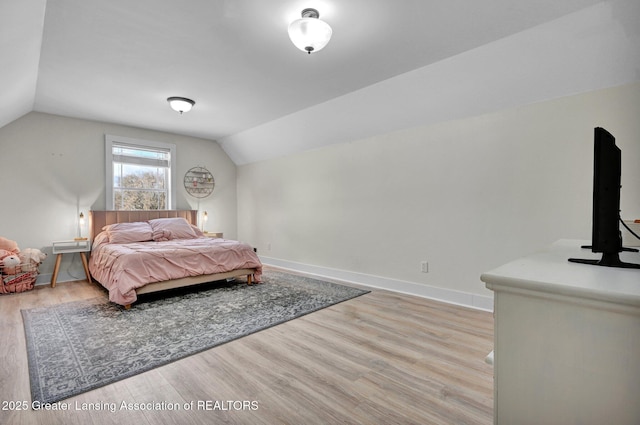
<point>199,182</point>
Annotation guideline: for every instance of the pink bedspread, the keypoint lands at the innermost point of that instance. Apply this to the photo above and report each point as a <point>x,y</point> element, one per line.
<point>121,268</point>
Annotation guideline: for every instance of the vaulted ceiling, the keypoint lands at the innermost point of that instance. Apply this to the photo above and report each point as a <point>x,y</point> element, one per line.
<point>390,64</point>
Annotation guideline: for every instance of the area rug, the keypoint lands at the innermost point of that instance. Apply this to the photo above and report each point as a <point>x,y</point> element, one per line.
<point>79,346</point>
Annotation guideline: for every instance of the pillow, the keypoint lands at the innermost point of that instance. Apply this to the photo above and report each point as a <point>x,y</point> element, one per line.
<point>102,237</point>
<point>129,232</point>
<point>199,233</point>
<point>161,235</point>
<point>177,227</point>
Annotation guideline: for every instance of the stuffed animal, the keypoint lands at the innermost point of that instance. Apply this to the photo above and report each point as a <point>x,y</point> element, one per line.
<point>9,245</point>
<point>31,258</point>
<point>5,253</point>
<point>11,264</point>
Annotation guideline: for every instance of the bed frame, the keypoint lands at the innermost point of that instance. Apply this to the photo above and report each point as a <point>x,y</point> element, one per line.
<point>99,219</point>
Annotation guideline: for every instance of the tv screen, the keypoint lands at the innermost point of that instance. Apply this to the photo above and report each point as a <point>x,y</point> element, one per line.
<point>605,233</point>
<point>607,169</point>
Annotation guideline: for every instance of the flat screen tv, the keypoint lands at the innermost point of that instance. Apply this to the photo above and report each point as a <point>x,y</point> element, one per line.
<point>605,233</point>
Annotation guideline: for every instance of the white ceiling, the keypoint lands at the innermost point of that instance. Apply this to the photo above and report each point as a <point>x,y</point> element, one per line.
<point>118,60</point>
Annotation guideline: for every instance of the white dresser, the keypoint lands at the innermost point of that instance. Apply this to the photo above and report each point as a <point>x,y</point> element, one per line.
<point>567,339</point>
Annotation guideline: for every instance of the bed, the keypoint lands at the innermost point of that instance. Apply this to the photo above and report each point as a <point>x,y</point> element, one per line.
<point>139,252</point>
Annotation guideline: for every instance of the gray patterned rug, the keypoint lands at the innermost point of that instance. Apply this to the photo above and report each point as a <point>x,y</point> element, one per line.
<point>79,346</point>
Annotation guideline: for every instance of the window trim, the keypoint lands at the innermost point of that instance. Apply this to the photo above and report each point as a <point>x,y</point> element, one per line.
<point>110,140</point>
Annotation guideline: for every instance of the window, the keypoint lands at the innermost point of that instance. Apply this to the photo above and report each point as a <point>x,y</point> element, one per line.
<point>139,174</point>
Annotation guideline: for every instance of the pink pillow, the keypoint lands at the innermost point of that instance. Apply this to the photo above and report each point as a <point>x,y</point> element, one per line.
<point>161,235</point>
<point>129,232</point>
<point>177,227</point>
<point>199,233</point>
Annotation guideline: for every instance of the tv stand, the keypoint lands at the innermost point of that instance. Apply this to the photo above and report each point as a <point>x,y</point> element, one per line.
<point>567,340</point>
<point>609,260</point>
<point>624,248</point>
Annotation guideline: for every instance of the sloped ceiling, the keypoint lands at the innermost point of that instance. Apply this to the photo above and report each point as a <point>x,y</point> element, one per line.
<point>389,64</point>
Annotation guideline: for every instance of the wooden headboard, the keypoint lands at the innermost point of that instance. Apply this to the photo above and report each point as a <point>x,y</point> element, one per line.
<point>99,219</point>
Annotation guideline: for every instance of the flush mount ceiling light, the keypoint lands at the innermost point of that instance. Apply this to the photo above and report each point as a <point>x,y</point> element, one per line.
<point>309,33</point>
<point>180,104</point>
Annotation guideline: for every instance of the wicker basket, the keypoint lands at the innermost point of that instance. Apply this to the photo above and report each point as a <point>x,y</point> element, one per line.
<point>21,279</point>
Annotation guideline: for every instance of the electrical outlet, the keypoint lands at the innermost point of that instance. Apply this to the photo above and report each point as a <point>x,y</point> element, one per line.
<point>269,246</point>
<point>424,267</point>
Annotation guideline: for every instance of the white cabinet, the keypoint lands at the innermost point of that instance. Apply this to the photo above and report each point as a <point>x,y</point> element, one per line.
<point>567,339</point>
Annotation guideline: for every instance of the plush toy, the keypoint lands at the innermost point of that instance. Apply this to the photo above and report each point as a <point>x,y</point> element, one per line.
<point>31,258</point>
<point>9,245</point>
<point>11,264</point>
<point>5,253</point>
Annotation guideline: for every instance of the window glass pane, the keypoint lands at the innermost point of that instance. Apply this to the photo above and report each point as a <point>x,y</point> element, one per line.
<point>141,156</point>
<point>138,176</point>
<point>139,200</point>
<point>140,152</point>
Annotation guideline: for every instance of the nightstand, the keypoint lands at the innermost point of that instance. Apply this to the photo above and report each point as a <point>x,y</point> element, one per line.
<point>213,234</point>
<point>81,246</point>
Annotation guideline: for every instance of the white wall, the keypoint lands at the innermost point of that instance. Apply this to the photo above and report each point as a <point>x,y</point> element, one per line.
<point>52,167</point>
<point>465,195</point>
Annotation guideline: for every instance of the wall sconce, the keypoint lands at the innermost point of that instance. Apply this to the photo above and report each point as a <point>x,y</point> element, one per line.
<point>309,33</point>
<point>180,104</point>
<point>205,217</point>
<point>81,223</point>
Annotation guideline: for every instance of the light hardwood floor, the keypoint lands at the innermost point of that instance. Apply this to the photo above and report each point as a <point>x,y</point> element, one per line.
<point>382,358</point>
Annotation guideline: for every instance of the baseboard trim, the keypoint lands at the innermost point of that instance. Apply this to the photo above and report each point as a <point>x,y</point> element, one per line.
<point>478,302</point>
<point>63,276</point>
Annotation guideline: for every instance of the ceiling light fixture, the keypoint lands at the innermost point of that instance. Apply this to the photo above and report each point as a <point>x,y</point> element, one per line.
<point>309,33</point>
<point>180,104</point>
